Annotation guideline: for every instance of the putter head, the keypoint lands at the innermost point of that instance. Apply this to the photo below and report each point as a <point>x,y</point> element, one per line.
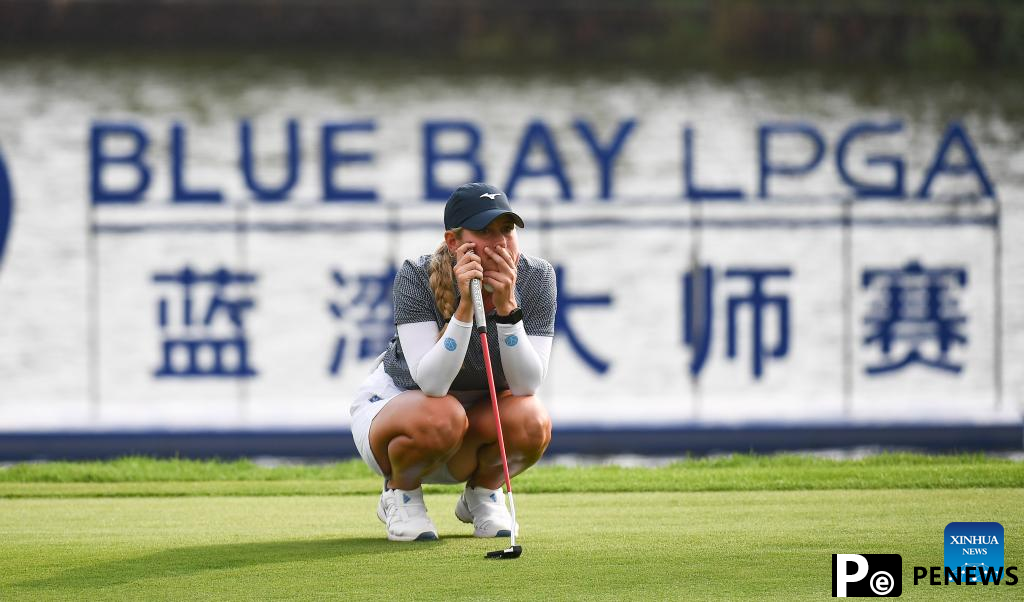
<point>513,552</point>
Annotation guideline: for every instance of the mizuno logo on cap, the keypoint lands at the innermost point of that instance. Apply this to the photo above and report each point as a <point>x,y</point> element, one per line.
<point>490,195</point>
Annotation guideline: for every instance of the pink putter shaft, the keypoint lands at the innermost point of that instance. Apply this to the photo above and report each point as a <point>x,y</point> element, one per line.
<point>494,405</point>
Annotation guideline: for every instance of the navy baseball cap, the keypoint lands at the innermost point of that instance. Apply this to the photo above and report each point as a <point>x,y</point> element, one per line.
<point>475,205</point>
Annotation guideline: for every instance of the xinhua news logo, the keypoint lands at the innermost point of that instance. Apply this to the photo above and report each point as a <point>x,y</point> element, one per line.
<point>973,554</point>
<point>867,575</point>
<point>975,548</point>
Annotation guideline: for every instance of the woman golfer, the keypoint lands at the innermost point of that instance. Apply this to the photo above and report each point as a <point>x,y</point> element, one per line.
<point>424,414</point>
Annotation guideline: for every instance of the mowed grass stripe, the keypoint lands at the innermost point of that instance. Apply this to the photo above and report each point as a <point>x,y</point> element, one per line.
<point>599,546</point>
<point>179,478</point>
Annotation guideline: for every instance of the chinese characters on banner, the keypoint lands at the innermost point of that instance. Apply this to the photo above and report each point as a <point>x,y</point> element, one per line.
<point>913,318</point>
<point>206,336</point>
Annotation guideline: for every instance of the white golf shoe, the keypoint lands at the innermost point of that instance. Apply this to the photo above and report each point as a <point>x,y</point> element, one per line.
<point>405,515</point>
<point>486,509</point>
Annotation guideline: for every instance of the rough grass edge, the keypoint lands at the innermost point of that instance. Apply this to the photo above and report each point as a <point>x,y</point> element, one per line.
<point>142,469</point>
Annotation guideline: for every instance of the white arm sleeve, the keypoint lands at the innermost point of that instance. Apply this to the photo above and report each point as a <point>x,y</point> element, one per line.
<point>524,359</point>
<point>434,362</point>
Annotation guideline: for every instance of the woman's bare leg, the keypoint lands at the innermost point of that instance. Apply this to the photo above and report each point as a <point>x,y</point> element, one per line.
<point>526,428</point>
<point>415,434</point>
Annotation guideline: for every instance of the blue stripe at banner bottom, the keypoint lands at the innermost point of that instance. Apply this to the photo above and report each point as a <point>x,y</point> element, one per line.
<point>581,440</point>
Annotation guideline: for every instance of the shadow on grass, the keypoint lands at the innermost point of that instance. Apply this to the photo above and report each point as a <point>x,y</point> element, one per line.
<point>183,562</point>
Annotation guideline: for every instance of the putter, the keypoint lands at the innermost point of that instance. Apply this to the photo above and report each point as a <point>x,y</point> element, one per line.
<point>513,551</point>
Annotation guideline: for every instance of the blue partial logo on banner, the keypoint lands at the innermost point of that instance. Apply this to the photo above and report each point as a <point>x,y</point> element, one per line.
<point>976,550</point>
<point>6,208</point>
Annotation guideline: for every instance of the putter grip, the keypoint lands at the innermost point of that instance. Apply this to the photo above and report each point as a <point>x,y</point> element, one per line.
<point>478,305</point>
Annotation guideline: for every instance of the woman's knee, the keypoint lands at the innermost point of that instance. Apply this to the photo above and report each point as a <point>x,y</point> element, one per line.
<point>529,428</point>
<point>442,427</point>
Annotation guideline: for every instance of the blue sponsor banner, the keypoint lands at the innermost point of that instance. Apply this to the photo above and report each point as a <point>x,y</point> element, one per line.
<point>786,280</point>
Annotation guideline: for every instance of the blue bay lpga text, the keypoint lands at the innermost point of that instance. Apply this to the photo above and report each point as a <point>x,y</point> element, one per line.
<point>129,150</point>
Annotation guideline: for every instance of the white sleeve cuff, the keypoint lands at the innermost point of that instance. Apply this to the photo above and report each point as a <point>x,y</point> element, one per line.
<point>459,322</point>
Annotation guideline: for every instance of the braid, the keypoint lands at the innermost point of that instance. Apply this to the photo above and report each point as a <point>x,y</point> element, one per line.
<point>442,280</point>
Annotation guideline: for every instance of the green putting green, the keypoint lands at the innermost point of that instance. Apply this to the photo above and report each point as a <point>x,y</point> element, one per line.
<point>218,535</point>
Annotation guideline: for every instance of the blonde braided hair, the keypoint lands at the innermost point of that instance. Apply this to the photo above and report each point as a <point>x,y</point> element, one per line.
<point>442,278</point>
